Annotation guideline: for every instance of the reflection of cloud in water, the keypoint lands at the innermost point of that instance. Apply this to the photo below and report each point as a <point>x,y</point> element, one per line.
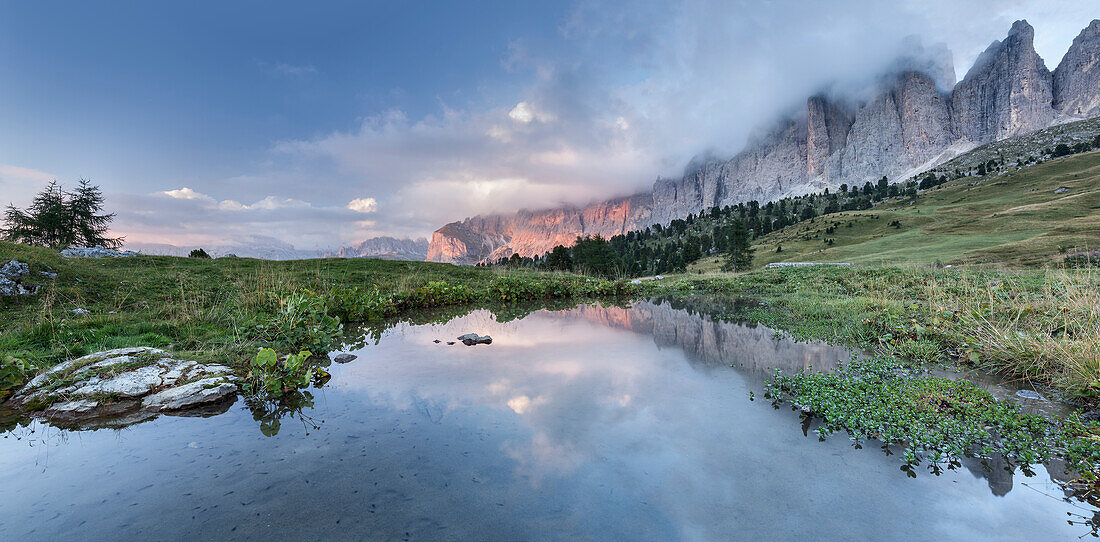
<point>576,384</point>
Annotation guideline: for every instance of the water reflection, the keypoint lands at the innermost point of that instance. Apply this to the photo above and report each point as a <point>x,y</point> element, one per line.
<point>596,422</point>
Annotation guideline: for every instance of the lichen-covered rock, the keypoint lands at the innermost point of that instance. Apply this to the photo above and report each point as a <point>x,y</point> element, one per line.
<point>14,269</point>
<point>11,275</point>
<point>121,381</point>
<point>199,392</point>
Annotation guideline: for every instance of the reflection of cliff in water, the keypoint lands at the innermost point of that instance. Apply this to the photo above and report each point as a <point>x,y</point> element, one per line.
<point>701,329</point>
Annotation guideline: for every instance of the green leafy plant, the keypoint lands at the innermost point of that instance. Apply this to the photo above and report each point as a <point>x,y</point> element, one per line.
<point>302,321</point>
<point>13,373</point>
<point>268,373</point>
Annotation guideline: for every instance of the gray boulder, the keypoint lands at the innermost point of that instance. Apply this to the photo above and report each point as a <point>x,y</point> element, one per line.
<point>200,392</point>
<point>11,274</point>
<point>15,269</point>
<point>470,339</point>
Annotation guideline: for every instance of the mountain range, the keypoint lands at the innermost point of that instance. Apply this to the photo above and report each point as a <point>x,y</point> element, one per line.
<point>915,117</point>
<point>270,248</point>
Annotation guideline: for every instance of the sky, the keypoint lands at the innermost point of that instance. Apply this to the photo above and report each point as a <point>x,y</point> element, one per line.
<point>325,123</point>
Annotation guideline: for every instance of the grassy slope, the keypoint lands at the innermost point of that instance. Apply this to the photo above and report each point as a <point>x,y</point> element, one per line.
<point>1014,219</point>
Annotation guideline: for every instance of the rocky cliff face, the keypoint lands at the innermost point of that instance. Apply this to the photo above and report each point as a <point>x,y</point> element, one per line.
<point>528,233</point>
<point>1008,91</point>
<point>910,121</point>
<point>1077,77</point>
<point>386,248</point>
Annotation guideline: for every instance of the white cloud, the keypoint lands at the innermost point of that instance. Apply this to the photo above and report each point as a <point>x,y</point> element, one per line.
<point>21,183</point>
<point>363,205</point>
<point>624,94</point>
<point>17,173</point>
<point>188,194</point>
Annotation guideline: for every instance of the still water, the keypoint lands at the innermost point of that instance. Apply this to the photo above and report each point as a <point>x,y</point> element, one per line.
<point>597,423</point>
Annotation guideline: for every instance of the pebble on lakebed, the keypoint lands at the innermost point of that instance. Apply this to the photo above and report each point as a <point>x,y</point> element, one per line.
<point>134,383</point>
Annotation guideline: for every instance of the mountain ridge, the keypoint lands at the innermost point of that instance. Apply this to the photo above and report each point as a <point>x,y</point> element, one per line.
<point>907,126</point>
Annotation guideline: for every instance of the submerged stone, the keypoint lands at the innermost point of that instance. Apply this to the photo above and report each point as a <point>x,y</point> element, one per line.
<point>344,358</point>
<point>1029,394</point>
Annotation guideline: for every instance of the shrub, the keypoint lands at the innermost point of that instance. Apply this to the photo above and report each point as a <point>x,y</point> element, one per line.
<point>1081,260</point>
<point>199,253</point>
<point>302,321</point>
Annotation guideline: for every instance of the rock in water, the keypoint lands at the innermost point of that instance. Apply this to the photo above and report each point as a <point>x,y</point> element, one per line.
<point>127,381</point>
<point>1029,394</point>
<point>471,339</point>
<point>344,358</point>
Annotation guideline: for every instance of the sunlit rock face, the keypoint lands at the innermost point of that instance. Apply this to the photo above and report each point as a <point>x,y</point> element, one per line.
<point>1077,77</point>
<point>527,233</point>
<point>908,121</point>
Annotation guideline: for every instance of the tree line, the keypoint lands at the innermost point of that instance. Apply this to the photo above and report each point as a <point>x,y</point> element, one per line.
<point>59,218</point>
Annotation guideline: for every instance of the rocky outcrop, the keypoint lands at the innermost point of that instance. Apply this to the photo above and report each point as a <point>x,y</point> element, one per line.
<point>96,252</point>
<point>1077,77</point>
<point>11,279</point>
<point>1007,92</point>
<point>385,248</point>
<point>910,121</point>
<point>134,383</point>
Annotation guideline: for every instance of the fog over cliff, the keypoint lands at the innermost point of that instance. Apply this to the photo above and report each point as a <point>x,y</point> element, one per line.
<point>633,94</point>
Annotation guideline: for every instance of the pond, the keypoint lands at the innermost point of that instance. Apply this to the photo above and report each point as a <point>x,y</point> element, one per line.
<point>597,422</point>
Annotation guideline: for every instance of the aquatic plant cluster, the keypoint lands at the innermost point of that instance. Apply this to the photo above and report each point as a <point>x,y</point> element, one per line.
<point>936,421</point>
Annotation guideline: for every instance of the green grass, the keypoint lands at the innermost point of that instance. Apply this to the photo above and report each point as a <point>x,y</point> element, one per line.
<point>1013,220</point>
<point>226,308</point>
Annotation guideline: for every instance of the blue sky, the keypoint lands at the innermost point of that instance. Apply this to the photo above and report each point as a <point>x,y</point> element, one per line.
<point>323,123</point>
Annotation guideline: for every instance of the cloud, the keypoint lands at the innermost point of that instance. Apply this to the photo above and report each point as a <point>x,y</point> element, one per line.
<point>620,95</point>
<point>363,205</point>
<point>23,174</point>
<point>291,70</point>
<point>21,183</point>
<point>188,194</point>
<point>525,113</point>
<point>631,92</point>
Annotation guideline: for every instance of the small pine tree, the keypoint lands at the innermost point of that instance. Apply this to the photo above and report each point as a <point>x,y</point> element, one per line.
<point>199,253</point>
<point>740,253</point>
